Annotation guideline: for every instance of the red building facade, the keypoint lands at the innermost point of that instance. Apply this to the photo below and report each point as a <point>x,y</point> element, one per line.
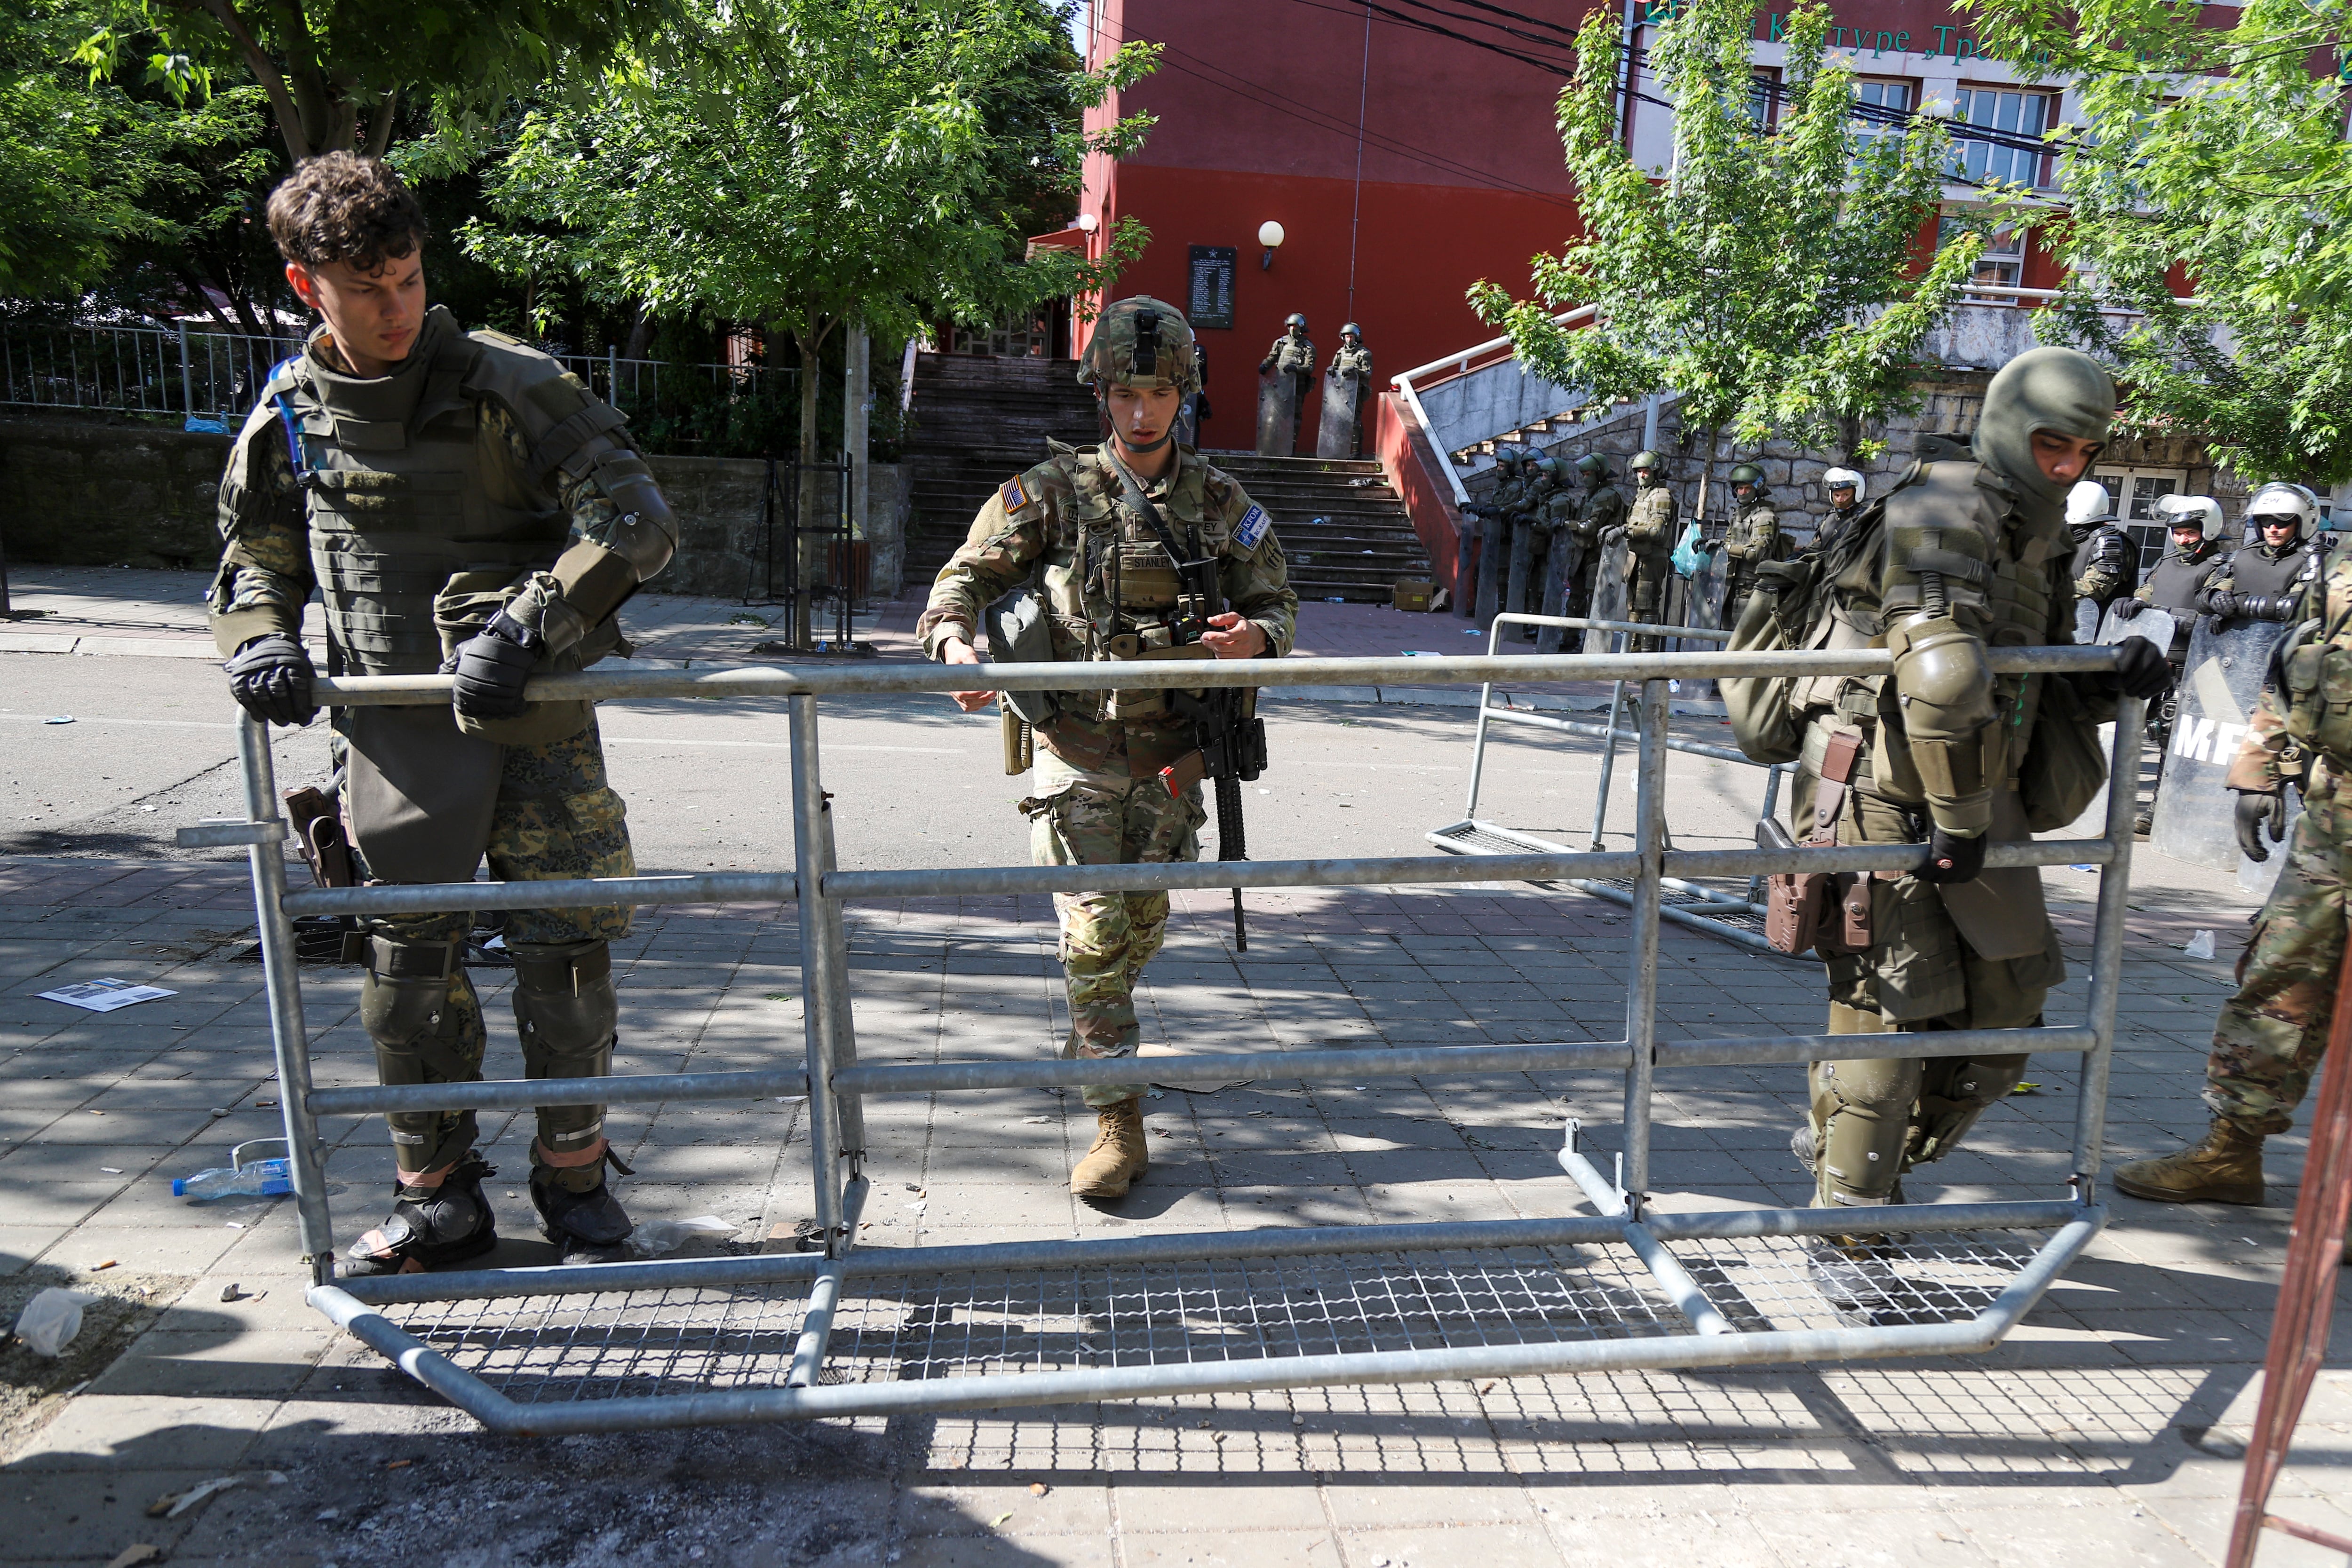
<point>1404,166</point>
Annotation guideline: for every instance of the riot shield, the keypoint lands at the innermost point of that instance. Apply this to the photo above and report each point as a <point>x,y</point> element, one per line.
<point>1336,434</point>
<point>1519,577</point>
<point>1277,413</point>
<point>1493,548</point>
<point>2219,683</point>
<point>1560,564</point>
<point>2086,622</point>
<point>1704,601</point>
<point>2154,626</point>
<point>1611,595</point>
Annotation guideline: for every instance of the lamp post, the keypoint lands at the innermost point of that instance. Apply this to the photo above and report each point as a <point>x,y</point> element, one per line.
<point>1269,235</point>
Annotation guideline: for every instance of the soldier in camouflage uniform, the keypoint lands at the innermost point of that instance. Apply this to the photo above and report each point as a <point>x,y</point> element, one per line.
<point>2271,1035</point>
<point>1293,355</point>
<point>1649,531</point>
<point>1353,360</point>
<point>1599,510</point>
<point>1753,539</point>
<point>1539,478</point>
<point>461,503</point>
<point>1101,532</point>
<point>1967,551</point>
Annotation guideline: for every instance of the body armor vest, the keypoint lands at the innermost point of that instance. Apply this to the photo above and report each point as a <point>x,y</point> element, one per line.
<point>1110,585</point>
<point>2177,580</point>
<point>412,500</point>
<point>1753,531</point>
<point>2279,576</point>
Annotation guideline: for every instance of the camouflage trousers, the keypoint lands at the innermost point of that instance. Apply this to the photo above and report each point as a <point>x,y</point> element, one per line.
<point>2273,1033</point>
<point>1107,818</point>
<point>1645,594</point>
<point>557,818</point>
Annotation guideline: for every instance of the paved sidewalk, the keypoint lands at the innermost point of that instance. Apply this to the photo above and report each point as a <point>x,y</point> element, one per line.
<point>2104,1433</point>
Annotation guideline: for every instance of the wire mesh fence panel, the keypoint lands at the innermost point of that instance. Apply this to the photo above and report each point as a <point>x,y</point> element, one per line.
<point>1795,1282</point>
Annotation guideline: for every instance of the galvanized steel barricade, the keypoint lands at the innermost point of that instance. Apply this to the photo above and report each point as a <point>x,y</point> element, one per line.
<point>851,1331</point>
<point>1736,918</point>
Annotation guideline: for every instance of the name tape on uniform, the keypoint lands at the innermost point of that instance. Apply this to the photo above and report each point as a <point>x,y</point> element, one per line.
<point>1252,527</point>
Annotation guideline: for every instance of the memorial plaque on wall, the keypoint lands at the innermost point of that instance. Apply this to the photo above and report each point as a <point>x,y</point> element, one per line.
<point>1209,299</point>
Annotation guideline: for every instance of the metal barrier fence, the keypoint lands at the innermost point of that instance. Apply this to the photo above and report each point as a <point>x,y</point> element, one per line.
<point>218,376</point>
<point>1737,918</point>
<point>851,1331</point>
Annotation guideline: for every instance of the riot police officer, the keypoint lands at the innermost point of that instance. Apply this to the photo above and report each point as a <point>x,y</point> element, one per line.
<point>2265,581</point>
<point>1539,478</point>
<point>461,503</point>
<point>1105,534</point>
<point>1350,372</point>
<point>1648,531</point>
<point>2106,562</point>
<point>1964,554</point>
<point>1493,516</point>
<point>1292,355</point>
<point>1846,492</point>
<point>1753,539</point>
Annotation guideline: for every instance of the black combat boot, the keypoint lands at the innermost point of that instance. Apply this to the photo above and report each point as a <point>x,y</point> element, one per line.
<point>430,1226</point>
<point>587,1222</point>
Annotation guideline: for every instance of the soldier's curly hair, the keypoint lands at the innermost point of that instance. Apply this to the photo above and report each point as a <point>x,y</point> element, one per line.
<point>340,206</point>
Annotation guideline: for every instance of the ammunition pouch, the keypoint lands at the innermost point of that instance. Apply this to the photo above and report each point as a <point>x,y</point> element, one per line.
<point>2317,676</point>
<point>1822,912</point>
<point>1021,631</point>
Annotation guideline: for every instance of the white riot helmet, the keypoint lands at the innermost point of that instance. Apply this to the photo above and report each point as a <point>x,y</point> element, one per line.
<point>2282,500</point>
<point>2089,502</point>
<point>2203,511</point>
<point>1844,479</point>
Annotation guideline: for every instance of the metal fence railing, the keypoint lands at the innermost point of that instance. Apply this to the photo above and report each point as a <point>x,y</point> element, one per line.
<point>216,377</point>
<point>849,1330</point>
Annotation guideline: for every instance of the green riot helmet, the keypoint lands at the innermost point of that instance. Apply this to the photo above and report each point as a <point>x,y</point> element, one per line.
<point>1648,467</point>
<point>1553,469</point>
<point>1593,465</point>
<point>1747,474</point>
<point>1296,319</point>
<point>1144,344</point>
<point>1507,462</point>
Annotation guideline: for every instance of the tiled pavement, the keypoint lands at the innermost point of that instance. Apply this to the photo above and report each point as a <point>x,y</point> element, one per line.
<point>2102,1433</point>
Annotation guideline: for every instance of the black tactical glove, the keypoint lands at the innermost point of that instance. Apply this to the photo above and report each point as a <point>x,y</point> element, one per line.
<point>2125,608</point>
<point>2258,809</point>
<point>2140,671</point>
<point>491,667</point>
<point>1953,859</point>
<point>2221,606</point>
<point>271,677</point>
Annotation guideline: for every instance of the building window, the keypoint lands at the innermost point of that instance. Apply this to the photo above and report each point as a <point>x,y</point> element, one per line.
<point>1995,131</point>
<point>2136,490</point>
<point>1880,109</point>
<point>2003,261</point>
<point>1762,87</point>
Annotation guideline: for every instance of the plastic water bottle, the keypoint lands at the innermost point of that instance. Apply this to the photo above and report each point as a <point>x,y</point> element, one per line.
<point>258,1178</point>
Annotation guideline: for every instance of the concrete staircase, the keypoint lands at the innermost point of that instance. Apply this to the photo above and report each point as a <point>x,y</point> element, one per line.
<point>979,420</point>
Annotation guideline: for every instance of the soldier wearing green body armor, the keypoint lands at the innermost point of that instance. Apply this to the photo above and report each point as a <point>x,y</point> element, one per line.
<point>1292,355</point>
<point>1601,508</point>
<point>1753,539</point>
<point>1648,531</point>
<point>1969,550</point>
<point>2271,1033</point>
<point>1120,541</point>
<point>1539,478</point>
<point>461,503</point>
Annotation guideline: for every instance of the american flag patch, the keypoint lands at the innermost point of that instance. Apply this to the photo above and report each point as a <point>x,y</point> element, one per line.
<point>1011,493</point>
<point>1252,527</point>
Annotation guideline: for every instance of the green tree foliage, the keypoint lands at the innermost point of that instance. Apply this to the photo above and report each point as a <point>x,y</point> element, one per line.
<point>2219,151</point>
<point>813,163</point>
<point>1773,278</point>
<point>96,173</point>
<point>325,63</point>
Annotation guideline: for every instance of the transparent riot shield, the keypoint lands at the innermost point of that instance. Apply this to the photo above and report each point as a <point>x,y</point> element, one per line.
<point>1336,434</point>
<point>2151,626</point>
<point>1611,593</point>
<point>1277,413</point>
<point>1704,594</point>
<point>2219,683</point>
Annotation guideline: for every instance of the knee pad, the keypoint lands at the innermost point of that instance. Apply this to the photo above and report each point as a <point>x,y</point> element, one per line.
<point>1861,1112</point>
<point>417,1007</point>
<point>565,1010</point>
<point>1953,1092</point>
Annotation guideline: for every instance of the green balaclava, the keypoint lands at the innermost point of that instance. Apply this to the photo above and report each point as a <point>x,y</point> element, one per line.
<point>2062,390</point>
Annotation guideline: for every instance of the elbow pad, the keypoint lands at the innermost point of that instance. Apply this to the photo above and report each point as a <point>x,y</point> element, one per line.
<point>646,535</point>
<point>1943,679</point>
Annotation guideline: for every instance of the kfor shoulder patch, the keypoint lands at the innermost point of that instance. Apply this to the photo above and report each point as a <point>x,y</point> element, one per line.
<point>1252,527</point>
<point>1013,494</point>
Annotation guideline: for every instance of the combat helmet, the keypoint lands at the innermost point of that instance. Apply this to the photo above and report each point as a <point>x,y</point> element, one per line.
<point>1296,319</point>
<point>1644,461</point>
<point>1553,469</point>
<point>1349,330</point>
<point>1594,463</point>
<point>1747,474</point>
<point>1144,344</point>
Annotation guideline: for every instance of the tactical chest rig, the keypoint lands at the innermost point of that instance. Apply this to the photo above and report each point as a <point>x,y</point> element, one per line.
<point>420,517</point>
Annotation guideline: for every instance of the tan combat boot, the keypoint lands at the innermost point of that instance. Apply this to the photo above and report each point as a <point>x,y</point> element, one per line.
<point>1117,1156</point>
<point>2223,1166</point>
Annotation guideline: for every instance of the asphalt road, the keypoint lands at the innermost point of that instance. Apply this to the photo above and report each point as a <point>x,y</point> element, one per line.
<point>916,783</point>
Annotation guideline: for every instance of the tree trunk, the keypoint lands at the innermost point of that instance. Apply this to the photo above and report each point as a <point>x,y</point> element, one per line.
<point>811,346</point>
<point>641,334</point>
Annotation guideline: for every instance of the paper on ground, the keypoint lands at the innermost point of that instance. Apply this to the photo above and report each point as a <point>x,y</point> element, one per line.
<point>105,995</point>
